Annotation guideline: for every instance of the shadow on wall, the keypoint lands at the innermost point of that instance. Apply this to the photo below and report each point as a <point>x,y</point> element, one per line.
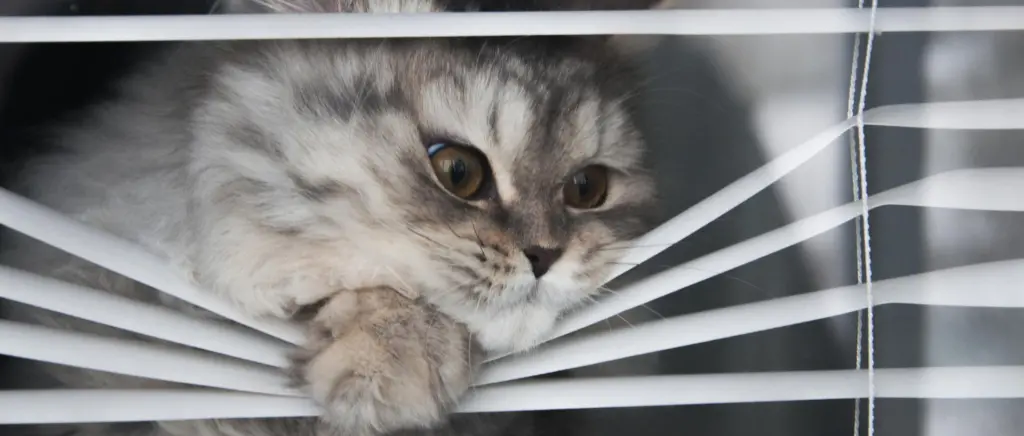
<point>701,139</point>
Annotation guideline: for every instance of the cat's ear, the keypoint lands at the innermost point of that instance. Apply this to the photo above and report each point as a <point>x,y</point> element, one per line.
<point>629,45</point>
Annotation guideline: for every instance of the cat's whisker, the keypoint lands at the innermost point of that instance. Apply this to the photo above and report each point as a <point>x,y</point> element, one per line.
<point>642,87</point>
<point>627,247</point>
<point>619,316</point>
<point>607,321</point>
<point>649,308</point>
<point>480,53</point>
<point>726,276</point>
<point>408,289</point>
<point>360,100</point>
<point>594,300</point>
<point>428,239</point>
<point>464,289</point>
<point>453,232</point>
<point>513,41</point>
<point>476,310</point>
<point>480,242</point>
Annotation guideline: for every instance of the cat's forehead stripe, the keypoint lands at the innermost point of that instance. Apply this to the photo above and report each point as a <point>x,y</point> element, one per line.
<point>503,180</point>
<point>514,113</point>
<point>507,123</point>
<point>492,117</point>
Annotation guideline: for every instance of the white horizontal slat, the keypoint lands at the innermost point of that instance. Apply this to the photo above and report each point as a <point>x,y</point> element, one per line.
<point>63,406</point>
<point>139,359</point>
<point>995,284</point>
<point>142,318</point>
<point>980,114</point>
<point>996,189</point>
<point>949,382</point>
<point>664,22</point>
<point>125,258</point>
<point>999,114</point>
<point>59,406</point>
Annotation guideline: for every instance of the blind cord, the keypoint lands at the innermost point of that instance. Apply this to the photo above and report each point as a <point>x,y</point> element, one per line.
<point>855,185</point>
<point>865,235</point>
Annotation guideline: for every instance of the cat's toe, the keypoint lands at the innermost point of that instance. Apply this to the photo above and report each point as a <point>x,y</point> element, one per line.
<point>393,367</point>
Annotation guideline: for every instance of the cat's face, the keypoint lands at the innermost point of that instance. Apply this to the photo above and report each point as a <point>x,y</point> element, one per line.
<point>498,181</point>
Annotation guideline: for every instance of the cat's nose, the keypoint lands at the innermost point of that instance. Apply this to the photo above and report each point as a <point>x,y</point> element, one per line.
<point>541,259</point>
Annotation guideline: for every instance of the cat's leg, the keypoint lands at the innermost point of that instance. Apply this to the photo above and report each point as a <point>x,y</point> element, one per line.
<point>377,362</point>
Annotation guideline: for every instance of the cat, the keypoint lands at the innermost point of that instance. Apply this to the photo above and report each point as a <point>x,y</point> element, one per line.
<point>422,202</point>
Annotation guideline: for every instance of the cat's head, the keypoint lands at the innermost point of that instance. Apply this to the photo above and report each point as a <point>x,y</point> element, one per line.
<point>497,179</point>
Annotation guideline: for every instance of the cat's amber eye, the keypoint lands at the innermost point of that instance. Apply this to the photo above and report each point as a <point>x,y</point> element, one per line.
<point>461,170</point>
<point>586,189</point>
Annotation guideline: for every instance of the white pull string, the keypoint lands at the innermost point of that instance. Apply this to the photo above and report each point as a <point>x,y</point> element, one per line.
<point>865,235</point>
<point>855,186</point>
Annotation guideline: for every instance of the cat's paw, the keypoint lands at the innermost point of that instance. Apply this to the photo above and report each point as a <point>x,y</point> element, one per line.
<point>378,362</point>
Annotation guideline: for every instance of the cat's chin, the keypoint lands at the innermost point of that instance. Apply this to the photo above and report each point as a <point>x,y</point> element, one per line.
<point>513,331</point>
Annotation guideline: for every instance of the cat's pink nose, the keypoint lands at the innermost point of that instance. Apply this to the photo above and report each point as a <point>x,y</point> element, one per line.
<point>541,259</point>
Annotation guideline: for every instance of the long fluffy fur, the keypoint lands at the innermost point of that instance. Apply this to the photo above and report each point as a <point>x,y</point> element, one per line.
<point>285,174</point>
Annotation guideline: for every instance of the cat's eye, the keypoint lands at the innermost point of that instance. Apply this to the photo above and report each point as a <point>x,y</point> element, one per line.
<point>586,189</point>
<point>461,170</point>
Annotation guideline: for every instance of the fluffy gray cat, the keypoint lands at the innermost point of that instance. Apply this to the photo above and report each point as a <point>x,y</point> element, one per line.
<point>425,201</point>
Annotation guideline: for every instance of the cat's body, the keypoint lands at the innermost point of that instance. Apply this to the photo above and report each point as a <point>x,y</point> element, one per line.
<point>288,174</point>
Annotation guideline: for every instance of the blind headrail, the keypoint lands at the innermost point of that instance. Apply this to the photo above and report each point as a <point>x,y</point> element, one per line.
<point>657,22</point>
